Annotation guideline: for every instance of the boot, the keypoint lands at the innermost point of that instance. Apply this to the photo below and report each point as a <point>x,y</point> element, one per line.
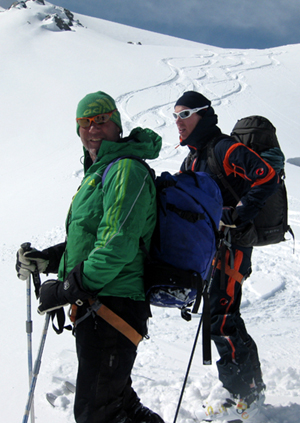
<point>138,413</point>
<point>234,408</point>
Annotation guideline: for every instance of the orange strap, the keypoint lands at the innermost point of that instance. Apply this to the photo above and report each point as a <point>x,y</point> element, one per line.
<point>73,312</point>
<point>118,323</point>
<point>237,276</point>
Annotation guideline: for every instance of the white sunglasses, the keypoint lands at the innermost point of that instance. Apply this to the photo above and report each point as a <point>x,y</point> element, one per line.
<point>184,114</point>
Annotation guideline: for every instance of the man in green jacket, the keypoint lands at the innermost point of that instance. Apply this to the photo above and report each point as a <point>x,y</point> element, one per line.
<point>100,266</point>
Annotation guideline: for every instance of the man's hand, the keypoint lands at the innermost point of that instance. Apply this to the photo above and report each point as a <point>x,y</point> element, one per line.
<point>51,296</point>
<point>227,218</point>
<point>28,261</point>
<point>55,294</point>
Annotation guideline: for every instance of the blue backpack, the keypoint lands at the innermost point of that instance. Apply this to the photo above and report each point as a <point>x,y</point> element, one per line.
<point>189,209</point>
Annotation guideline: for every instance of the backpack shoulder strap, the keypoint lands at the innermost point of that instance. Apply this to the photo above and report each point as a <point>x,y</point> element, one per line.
<point>211,157</point>
<point>152,174</point>
<point>139,159</point>
<point>215,168</point>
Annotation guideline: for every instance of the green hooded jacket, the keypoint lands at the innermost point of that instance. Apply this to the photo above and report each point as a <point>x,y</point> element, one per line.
<point>105,223</point>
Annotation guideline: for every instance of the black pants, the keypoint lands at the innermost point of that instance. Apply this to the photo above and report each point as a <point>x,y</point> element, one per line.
<point>105,361</point>
<point>239,364</point>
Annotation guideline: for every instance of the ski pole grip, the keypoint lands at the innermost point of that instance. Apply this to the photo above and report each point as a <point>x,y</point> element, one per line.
<point>35,274</point>
<point>26,246</point>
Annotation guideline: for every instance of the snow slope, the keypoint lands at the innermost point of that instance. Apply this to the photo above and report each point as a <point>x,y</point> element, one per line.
<point>44,72</point>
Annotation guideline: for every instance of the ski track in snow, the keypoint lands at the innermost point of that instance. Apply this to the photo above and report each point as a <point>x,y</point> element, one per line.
<point>217,76</point>
<point>220,77</point>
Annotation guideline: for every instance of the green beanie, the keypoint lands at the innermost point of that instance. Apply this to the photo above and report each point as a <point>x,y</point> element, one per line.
<point>96,103</point>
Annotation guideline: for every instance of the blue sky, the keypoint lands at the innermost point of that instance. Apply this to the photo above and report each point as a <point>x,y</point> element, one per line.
<point>222,23</point>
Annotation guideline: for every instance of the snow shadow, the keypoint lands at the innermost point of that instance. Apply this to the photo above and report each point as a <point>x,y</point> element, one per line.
<point>294,161</point>
<point>287,413</point>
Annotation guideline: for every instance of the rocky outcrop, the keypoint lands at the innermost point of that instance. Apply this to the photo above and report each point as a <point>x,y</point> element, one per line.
<point>53,18</point>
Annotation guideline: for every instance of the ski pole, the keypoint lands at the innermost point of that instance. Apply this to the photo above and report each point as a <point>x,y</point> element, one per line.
<point>36,369</point>
<point>29,339</point>
<point>37,284</point>
<point>206,291</point>
<point>26,247</point>
<point>188,370</point>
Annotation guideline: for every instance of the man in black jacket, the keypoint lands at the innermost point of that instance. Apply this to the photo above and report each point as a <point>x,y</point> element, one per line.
<point>254,181</point>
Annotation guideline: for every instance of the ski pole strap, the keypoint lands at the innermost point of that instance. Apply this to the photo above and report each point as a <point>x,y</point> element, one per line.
<point>60,318</point>
<point>36,282</point>
<point>116,321</point>
<point>206,329</point>
<point>198,281</point>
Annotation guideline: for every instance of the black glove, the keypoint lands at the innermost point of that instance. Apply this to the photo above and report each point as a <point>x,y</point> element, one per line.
<point>51,296</point>
<point>230,217</point>
<point>55,294</point>
<point>28,261</point>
